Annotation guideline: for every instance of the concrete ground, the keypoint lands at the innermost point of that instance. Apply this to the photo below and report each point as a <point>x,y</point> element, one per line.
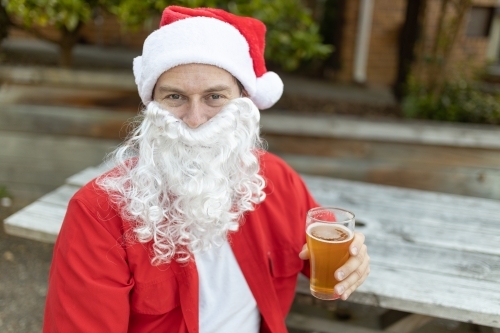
<point>24,264</point>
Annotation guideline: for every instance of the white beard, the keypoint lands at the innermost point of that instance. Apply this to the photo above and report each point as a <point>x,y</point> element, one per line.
<point>186,188</point>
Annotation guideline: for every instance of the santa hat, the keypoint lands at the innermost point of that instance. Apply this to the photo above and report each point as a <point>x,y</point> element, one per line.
<point>208,36</point>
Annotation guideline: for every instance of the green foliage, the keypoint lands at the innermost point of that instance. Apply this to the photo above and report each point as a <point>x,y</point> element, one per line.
<point>4,193</point>
<point>60,13</point>
<point>459,101</point>
<point>292,36</point>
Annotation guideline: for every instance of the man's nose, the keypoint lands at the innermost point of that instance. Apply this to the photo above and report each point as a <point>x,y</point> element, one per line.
<point>195,115</point>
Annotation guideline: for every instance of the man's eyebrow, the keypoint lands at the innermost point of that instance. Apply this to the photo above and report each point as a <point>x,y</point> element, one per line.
<point>163,89</point>
<point>220,87</point>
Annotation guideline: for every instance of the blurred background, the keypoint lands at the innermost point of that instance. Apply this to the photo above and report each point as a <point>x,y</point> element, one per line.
<point>408,79</point>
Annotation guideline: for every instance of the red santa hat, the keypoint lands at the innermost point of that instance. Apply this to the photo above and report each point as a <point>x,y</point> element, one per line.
<point>208,36</point>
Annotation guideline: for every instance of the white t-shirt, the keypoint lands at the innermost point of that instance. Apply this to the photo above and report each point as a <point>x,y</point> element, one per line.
<point>226,302</point>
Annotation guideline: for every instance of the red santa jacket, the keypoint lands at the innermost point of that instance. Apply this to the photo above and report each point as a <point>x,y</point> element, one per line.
<point>100,282</point>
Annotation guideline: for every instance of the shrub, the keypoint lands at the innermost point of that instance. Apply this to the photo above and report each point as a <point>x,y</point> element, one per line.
<point>458,101</point>
<point>292,39</point>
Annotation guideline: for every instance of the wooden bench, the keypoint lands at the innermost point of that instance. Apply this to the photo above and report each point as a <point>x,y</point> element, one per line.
<point>433,255</point>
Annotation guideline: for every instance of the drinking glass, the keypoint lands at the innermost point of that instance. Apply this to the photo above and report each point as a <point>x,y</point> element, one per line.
<point>329,233</point>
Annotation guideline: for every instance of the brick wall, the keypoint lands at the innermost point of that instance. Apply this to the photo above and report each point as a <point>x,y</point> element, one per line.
<point>348,41</point>
<point>468,54</point>
<point>388,18</point>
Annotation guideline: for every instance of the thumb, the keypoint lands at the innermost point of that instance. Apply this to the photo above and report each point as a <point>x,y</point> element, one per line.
<point>304,254</point>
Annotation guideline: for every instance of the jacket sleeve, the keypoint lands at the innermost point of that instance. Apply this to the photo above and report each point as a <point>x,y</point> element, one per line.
<point>90,280</point>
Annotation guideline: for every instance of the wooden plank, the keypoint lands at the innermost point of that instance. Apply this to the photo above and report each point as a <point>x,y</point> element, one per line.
<point>24,148</point>
<point>388,200</point>
<point>42,219</point>
<point>434,259</point>
<point>409,324</point>
<point>301,322</point>
<point>39,221</point>
<point>69,96</point>
<point>426,293</point>
<point>60,196</point>
<point>88,174</point>
<point>63,120</point>
<point>402,215</point>
<point>474,181</point>
<point>390,152</point>
<point>59,76</point>
<point>334,126</point>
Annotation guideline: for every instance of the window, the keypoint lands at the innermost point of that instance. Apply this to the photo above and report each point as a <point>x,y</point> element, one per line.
<point>480,21</point>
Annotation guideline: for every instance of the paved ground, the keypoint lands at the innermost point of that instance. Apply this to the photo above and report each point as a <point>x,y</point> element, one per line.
<point>24,267</point>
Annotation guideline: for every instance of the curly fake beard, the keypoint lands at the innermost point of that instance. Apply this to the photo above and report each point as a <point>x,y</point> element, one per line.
<point>186,188</point>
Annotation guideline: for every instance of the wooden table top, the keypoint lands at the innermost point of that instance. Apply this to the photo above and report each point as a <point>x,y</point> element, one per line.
<point>431,254</point>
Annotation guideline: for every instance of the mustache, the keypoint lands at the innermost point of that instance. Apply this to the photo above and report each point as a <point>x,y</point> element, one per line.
<point>238,114</point>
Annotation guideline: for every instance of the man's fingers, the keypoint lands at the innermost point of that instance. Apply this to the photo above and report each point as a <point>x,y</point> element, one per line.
<point>352,265</point>
<point>304,253</point>
<point>357,243</point>
<point>356,271</point>
<point>356,284</point>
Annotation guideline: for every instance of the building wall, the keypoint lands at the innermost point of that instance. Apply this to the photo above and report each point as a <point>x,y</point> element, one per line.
<point>348,46</point>
<point>468,54</point>
<point>388,19</point>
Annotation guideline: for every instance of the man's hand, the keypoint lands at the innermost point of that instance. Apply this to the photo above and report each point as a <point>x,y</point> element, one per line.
<point>354,272</point>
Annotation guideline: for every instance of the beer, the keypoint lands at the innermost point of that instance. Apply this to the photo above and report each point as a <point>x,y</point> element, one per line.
<point>328,245</point>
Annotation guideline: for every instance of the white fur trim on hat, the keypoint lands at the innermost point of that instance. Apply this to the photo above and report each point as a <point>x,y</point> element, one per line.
<point>269,90</point>
<point>203,40</point>
<point>200,40</point>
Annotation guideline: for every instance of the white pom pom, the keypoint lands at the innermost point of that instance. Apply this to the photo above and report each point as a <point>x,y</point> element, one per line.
<point>269,90</point>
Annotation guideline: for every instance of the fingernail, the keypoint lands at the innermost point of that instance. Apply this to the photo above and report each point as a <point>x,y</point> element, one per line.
<point>354,250</point>
<point>340,290</point>
<point>340,276</point>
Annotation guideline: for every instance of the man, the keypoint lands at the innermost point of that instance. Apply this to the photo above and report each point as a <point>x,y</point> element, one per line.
<point>196,229</point>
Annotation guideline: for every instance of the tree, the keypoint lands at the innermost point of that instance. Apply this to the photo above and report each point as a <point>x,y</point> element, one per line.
<point>67,16</point>
<point>292,36</point>
<point>4,22</point>
<point>432,62</point>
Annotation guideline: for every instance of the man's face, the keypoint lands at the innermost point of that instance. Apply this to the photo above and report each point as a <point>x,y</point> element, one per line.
<point>195,92</point>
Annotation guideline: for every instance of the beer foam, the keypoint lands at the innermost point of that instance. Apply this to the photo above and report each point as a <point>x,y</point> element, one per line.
<point>331,233</point>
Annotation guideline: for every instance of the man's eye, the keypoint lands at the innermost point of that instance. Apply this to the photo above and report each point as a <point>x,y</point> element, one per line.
<point>174,96</point>
<point>216,96</point>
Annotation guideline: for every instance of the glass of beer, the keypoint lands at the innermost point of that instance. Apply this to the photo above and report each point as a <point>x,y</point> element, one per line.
<point>330,232</point>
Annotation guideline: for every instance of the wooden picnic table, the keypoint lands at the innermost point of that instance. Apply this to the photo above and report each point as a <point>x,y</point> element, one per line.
<point>432,254</point>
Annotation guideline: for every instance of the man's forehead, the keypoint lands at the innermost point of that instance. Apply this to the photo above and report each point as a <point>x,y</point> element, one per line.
<point>196,76</point>
<point>198,69</point>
